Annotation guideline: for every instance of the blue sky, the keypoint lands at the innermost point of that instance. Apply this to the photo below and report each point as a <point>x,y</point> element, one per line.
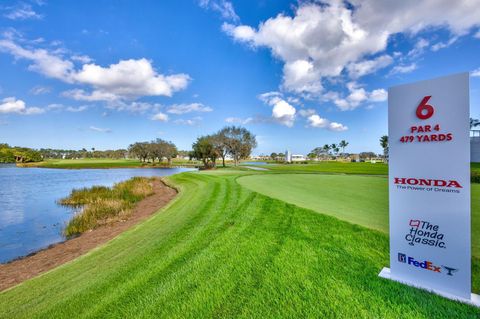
<point>298,74</point>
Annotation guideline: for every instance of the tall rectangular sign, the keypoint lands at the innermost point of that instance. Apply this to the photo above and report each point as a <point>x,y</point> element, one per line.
<point>429,184</point>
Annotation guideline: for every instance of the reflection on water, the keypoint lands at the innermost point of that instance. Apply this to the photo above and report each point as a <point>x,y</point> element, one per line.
<point>30,219</point>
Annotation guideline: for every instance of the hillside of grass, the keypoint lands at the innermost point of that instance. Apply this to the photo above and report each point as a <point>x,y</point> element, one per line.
<point>221,250</point>
<point>361,200</point>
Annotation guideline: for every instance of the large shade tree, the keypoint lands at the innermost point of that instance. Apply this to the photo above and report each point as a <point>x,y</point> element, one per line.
<point>141,150</point>
<point>204,149</point>
<point>239,142</point>
<point>220,143</point>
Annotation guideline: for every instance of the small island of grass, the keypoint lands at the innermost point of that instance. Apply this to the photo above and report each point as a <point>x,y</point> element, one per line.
<point>103,205</point>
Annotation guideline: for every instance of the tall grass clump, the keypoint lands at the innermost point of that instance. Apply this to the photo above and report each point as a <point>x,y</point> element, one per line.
<point>102,205</point>
<point>475,177</point>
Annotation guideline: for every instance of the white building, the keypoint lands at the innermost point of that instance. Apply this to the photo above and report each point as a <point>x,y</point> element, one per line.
<point>475,146</point>
<point>298,158</point>
<point>289,157</point>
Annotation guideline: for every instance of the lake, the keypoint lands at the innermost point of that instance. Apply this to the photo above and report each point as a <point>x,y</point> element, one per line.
<point>254,163</point>
<point>31,219</point>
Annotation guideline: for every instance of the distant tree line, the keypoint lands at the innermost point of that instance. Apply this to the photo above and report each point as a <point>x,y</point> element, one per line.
<point>48,153</point>
<point>10,154</point>
<point>156,150</point>
<point>235,141</point>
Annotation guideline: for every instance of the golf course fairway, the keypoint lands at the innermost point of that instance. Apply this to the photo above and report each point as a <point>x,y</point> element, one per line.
<point>361,200</point>
<point>222,250</point>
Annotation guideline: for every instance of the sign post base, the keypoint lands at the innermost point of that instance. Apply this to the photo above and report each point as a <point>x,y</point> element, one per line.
<point>474,299</point>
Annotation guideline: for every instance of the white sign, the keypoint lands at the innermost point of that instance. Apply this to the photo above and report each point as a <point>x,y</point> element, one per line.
<point>429,183</point>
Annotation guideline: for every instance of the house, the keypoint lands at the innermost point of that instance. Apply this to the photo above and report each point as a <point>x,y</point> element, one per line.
<point>289,157</point>
<point>298,158</point>
<point>475,146</point>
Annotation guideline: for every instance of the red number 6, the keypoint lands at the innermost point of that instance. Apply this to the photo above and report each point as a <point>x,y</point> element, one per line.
<point>423,106</point>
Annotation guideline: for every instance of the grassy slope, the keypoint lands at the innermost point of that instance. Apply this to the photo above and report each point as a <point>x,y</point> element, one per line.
<point>221,250</point>
<point>359,199</point>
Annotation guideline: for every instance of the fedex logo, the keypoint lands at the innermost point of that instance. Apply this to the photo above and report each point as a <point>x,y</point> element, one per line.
<point>427,265</point>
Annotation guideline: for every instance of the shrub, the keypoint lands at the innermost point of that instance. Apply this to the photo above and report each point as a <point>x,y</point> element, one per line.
<point>475,177</point>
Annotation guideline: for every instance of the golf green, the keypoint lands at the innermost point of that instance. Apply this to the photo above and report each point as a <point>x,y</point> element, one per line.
<point>361,200</point>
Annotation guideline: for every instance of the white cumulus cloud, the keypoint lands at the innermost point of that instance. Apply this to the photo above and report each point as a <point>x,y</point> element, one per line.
<point>13,105</point>
<point>127,79</point>
<point>282,111</point>
<point>314,120</point>
<point>475,73</point>
<point>162,117</point>
<point>321,40</point>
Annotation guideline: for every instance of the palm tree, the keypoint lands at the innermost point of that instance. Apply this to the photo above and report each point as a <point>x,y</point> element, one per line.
<point>474,123</point>
<point>326,148</point>
<point>333,147</point>
<point>384,145</point>
<point>343,144</point>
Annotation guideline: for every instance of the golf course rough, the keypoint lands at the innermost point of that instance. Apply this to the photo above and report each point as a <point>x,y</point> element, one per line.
<point>221,250</point>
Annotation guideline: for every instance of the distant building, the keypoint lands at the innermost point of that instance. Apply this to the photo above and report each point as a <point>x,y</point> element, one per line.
<point>288,156</point>
<point>475,146</point>
<point>298,158</point>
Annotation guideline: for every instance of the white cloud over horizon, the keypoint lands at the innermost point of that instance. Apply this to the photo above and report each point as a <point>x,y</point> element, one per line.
<point>188,108</point>
<point>125,80</point>
<point>99,129</point>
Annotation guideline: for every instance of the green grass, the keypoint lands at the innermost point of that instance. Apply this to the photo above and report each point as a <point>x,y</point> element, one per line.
<point>333,167</point>
<point>221,250</point>
<point>101,205</point>
<point>104,163</point>
<point>342,168</point>
<point>361,200</point>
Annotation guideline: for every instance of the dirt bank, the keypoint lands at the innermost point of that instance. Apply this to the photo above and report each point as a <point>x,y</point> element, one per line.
<point>20,270</point>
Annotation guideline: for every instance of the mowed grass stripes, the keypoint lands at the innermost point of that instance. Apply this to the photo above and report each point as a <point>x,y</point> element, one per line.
<point>220,250</point>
